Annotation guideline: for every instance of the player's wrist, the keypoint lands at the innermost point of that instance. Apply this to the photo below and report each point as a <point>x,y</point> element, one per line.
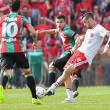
<point>71,52</point>
<point>107,46</point>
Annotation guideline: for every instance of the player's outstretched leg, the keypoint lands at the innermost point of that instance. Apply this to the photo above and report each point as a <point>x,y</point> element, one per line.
<point>51,89</point>
<point>1,94</point>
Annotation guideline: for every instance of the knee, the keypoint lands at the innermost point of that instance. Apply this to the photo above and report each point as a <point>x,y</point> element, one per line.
<point>26,72</point>
<point>51,67</point>
<point>68,71</point>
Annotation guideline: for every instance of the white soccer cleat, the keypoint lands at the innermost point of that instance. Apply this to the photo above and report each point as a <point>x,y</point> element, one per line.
<point>50,92</point>
<point>75,94</point>
<point>68,100</point>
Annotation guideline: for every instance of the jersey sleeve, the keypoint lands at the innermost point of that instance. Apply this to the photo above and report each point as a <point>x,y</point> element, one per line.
<point>70,33</point>
<point>26,22</point>
<point>102,31</point>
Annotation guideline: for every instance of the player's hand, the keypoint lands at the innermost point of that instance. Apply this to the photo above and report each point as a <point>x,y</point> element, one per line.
<point>34,46</point>
<point>106,51</point>
<point>37,32</point>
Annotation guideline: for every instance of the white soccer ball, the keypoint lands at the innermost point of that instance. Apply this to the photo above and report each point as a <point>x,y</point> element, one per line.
<point>40,92</point>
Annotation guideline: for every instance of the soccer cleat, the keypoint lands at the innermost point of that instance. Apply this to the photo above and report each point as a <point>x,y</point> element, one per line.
<point>50,92</point>
<point>67,100</point>
<point>36,101</point>
<point>75,94</point>
<point>1,94</point>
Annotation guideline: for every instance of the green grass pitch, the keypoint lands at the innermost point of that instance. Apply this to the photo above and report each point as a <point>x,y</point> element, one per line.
<point>90,98</point>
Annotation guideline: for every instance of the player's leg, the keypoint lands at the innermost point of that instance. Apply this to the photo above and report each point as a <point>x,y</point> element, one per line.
<point>72,66</point>
<point>75,82</point>
<point>51,74</point>
<point>6,66</point>
<point>75,85</point>
<point>6,77</point>
<point>69,91</point>
<point>58,63</point>
<point>31,85</point>
<point>22,63</point>
<point>61,80</point>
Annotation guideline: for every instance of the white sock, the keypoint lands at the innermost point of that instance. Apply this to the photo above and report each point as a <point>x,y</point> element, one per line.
<point>69,93</point>
<point>54,86</point>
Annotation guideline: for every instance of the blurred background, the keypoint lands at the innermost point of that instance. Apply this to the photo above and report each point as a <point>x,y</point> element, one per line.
<point>41,14</point>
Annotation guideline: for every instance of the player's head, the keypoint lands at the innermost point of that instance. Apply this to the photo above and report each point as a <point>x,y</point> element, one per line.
<point>88,19</point>
<point>60,21</point>
<point>14,5</point>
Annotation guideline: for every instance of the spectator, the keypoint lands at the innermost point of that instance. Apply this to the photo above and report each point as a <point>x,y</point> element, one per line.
<point>4,6</point>
<point>50,18</point>
<point>40,5</point>
<point>63,10</point>
<point>97,15</point>
<point>48,4</point>
<point>83,6</point>
<point>42,26</point>
<point>26,38</point>
<point>105,23</point>
<point>67,4</point>
<point>48,53</point>
<point>26,11</point>
<point>102,6</point>
<point>108,7</point>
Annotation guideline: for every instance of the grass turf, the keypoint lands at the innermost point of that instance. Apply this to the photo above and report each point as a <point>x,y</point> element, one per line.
<point>90,98</point>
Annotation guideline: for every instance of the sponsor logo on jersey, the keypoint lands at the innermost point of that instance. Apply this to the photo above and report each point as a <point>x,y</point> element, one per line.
<point>10,19</point>
<point>9,40</point>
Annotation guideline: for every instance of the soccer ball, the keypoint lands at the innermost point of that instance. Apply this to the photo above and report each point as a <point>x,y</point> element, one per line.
<point>40,92</point>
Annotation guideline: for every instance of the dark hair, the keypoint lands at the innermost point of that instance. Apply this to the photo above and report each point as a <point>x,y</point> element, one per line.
<point>60,16</point>
<point>88,15</point>
<point>14,5</point>
<point>48,13</point>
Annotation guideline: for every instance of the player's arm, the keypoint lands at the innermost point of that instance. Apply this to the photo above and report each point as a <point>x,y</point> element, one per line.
<point>30,29</point>
<point>50,31</point>
<point>79,40</point>
<point>33,33</point>
<point>78,43</point>
<point>76,36</point>
<point>107,46</point>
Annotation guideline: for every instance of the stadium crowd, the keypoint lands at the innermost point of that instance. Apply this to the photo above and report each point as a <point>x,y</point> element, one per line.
<point>41,14</point>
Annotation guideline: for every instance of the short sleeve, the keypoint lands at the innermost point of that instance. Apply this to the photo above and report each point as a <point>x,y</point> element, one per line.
<point>102,31</point>
<point>26,22</point>
<point>70,33</point>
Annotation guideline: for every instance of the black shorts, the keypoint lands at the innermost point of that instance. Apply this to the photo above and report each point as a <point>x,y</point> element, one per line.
<point>8,60</point>
<point>61,61</point>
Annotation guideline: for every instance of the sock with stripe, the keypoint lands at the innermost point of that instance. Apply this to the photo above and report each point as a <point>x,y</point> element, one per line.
<point>51,77</point>
<point>31,85</point>
<point>5,79</point>
<point>69,93</point>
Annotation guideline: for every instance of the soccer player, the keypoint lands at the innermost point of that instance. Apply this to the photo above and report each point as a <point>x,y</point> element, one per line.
<point>11,26</point>
<point>68,38</point>
<point>85,54</point>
